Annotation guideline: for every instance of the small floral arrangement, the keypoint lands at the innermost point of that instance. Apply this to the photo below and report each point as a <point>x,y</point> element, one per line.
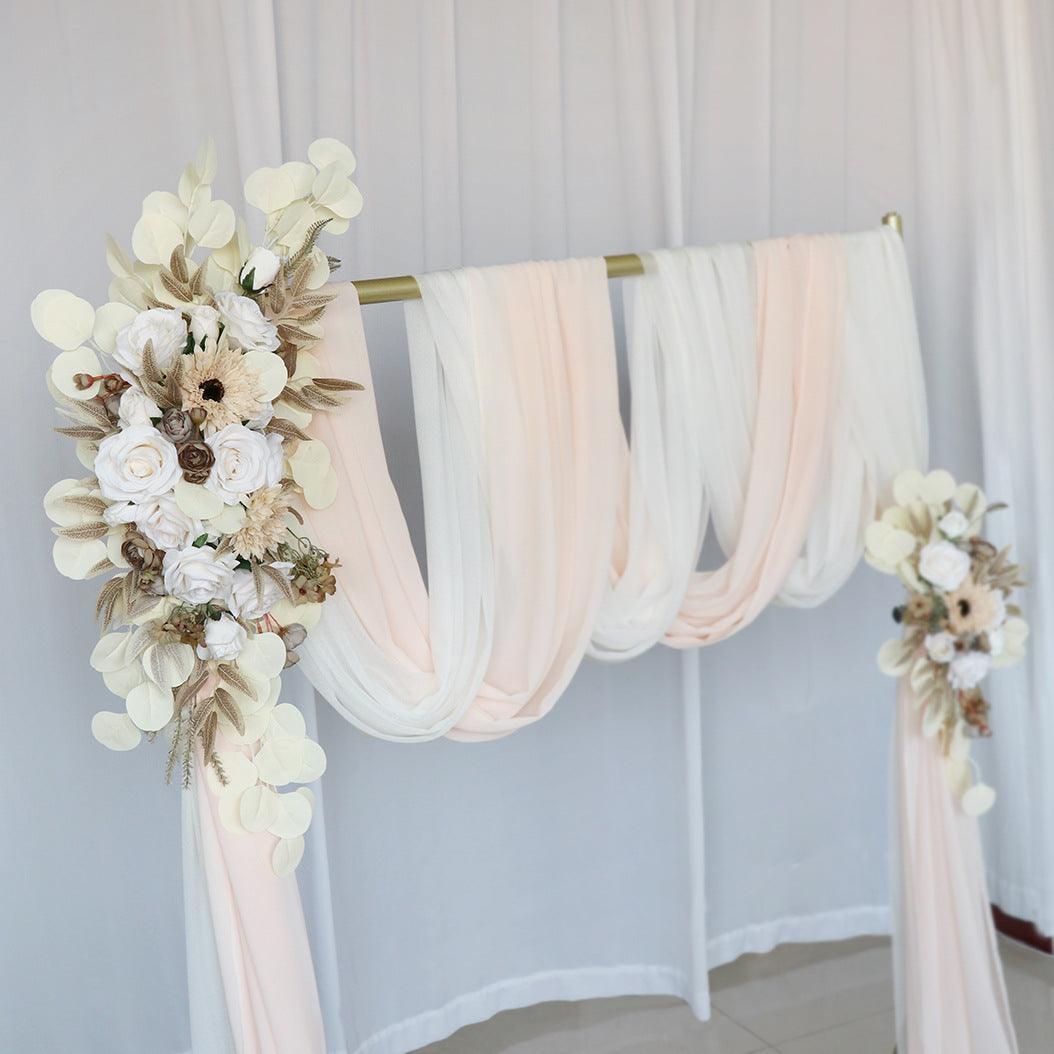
<point>958,620</point>
<point>187,396</point>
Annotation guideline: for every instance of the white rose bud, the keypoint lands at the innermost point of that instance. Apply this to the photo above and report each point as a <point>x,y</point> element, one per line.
<point>260,270</point>
<point>940,647</point>
<point>204,323</point>
<point>198,575</point>
<point>224,639</point>
<point>136,464</point>
<point>163,327</point>
<point>968,669</point>
<point>136,408</point>
<point>953,524</point>
<point>244,323</point>
<point>245,461</point>
<point>944,565</point>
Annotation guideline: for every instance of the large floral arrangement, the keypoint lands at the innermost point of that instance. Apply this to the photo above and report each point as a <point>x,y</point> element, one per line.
<point>187,395</point>
<point>958,622</point>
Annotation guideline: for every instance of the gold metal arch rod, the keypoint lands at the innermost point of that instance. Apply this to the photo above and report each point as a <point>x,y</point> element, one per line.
<point>622,265</point>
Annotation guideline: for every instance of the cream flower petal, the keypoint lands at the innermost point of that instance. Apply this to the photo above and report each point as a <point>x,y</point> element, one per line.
<point>270,189</point>
<point>196,501</point>
<point>286,613</point>
<point>314,763</point>
<point>115,731</point>
<point>230,813</point>
<point>109,319</point>
<point>302,175</point>
<point>293,818</point>
<point>68,364</point>
<point>61,318</point>
<point>937,488</point>
<point>122,681</point>
<point>212,224</point>
<point>258,808</point>
<point>978,799</point>
<point>168,665</point>
<point>280,760</point>
<point>326,151</point>
<point>906,486</point>
<point>239,770</point>
<point>287,855</point>
<point>150,706</point>
<point>154,237</point>
<point>321,493</point>
<point>270,373</point>
<point>75,559</point>
<point>287,720</point>
<point>262,656</point>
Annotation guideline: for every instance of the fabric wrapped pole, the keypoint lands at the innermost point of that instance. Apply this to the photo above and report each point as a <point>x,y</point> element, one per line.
<point>246,930</point>
<point>950,991</point>
<point>515,395</point>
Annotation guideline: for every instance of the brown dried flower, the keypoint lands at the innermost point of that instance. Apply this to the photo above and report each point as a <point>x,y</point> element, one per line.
<point>140,554</point>
<point>919,608</point>
<point>196,460</point>
<point>177,426</point>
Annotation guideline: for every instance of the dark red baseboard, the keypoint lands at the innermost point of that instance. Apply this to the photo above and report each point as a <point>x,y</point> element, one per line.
<point>1021,930</point>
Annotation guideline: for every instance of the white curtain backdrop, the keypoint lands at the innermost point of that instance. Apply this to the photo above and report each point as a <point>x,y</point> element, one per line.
<point>564,861</point>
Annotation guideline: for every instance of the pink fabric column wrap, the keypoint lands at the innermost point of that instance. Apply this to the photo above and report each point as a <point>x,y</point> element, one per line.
<point>261,938</point>
<point>801,285</point>
<point>950,989</point>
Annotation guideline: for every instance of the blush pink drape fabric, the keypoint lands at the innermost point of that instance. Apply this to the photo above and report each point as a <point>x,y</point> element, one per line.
<point>801,284</point>
<point>951,995</point>
<point>261,938</point>
<point>543,358</point>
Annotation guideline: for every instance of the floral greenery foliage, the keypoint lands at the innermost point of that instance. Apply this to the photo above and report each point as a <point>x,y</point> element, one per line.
<point>958,620</point>
<point>188,395</point>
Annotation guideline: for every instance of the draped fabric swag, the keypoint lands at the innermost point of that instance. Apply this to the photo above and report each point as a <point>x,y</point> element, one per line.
<point>544,528</point>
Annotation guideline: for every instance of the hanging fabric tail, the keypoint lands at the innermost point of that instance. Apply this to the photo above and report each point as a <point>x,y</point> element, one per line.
<point>950,992</point>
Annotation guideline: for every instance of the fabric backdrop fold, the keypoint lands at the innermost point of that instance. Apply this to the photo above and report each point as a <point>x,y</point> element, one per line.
<point>951,995</point>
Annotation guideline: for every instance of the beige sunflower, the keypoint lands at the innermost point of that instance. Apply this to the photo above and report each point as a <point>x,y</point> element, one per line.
<point>265,523</point>
<point>972,609</point>
<point>215,379</point>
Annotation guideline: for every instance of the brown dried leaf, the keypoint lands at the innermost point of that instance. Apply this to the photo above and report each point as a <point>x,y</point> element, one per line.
<point>281,580</point>
<point>179,290</point>
<point>177,264</point>
<point>109,593</point>
<point>89,432</point>
<point>286,429</point>
<point>208,733</point>
<point>336,384</point>
<point>226,705</point>
<point>83,532</point>
<point>234,678</point>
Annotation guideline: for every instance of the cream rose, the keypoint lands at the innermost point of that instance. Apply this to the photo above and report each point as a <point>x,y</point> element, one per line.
<point>944,565</point>
<point>245,461</point>
<point>224,639</point>
<point>160,520</point>
<point>244,323</point>
<point>243,600</point>
<point>968,669</point>
<point>163,327</point>
<point>136,408</point>
<point>136,464</point>
<point>940,647</point>
<point>260,270</point>
<point>198,575</point>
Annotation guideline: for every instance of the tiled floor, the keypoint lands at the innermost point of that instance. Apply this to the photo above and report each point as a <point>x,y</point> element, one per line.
<point>799,999</point>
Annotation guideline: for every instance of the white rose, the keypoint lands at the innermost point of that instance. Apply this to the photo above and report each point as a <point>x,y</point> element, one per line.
<point>198,575</point>
<point>163,327</point>
<point>165,525</point>
<point>1000,609</point>
<point>953,524</point>
<point>204,323</point>
<point>136,408</point>
<point>968,669</point>
<point>136,464</point>
<point>944,565</point>
<point>244,323</point>
<point>940,647</point>
<point>260,270</point>
<point>243,601</point>
<point>245,461</point>
<point>224,639</point>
